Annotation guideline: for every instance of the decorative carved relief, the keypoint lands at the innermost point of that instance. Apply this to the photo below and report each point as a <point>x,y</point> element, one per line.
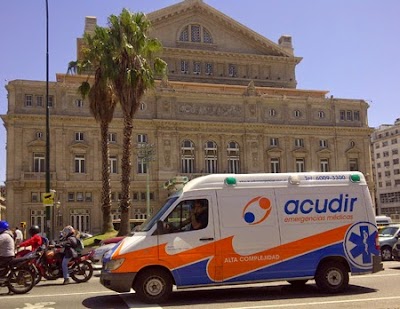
<point>210,110</point>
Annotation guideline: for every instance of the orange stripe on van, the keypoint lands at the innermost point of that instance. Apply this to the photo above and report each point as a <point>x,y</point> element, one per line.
<point>227,264</point>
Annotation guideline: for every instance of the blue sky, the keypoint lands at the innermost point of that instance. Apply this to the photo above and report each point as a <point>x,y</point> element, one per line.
<point>349,47</point>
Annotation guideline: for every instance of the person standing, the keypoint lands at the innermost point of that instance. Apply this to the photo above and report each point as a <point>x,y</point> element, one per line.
<point>18,236</point>
<point>7,244</point>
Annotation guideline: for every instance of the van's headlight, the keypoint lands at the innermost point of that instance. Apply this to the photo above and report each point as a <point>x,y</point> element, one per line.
<point>113,264</point>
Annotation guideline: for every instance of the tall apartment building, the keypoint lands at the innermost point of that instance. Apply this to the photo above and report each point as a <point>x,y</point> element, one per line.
<point>386,168</point>
<point>230,105</point>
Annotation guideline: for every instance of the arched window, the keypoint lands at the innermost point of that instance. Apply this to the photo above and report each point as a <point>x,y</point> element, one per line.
<point>211,157</point>
<point>187,157</point>
<point>195,33</point>
<point>297,113</point>
<point>233,157</point>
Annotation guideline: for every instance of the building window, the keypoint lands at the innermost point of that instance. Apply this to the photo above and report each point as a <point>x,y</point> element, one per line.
<point>232,71</point>
<point>79,103</point>
<point>386,164</point>
<point>79,196</point>
<point>272,112</point>
<point>209,69</point>
<point>112,137</point>
<point>378,155</point>
<point>394,141</point>
<point>79,164</point>
<point>385,154</point>
<point>142,138</point>
<point>38,163</point>
<point>28,100</point>
<point>195,33</point>
<point>275,165</point>
<point>343,115</point>
<point>34,197</point>
<point>88,196</point>
<point>297,114</point>
<point>349,115</point>
<point>142,166</point>
<point>323,143</point>
<point>143,106</point>
<point>196,67</point>
<point>299,142</point>
<point>71,196</point>
<point>184,35</point>
<point>39,101</point>
<point>356,115</point>
<point>80,219</point>
<point>39,135</point>
<point>300,165</point>
<point>184,67</point>
<point>210,156</point>
<point>187,157</point>
<point>233,158</point>
<point>387,173</point>
<point>321,114</point>
<point>353,165</point>
<point>113,164</point>
<point>274,142</point>
<point>395,161</point>
<point>79,136</point>
<point>324,165</point>
<point>50,101</point>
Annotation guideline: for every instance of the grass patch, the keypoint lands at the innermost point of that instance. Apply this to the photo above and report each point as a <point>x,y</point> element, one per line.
<point>95,240</point>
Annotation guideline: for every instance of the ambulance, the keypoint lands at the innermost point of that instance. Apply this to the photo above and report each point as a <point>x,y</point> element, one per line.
<point>257,228</point>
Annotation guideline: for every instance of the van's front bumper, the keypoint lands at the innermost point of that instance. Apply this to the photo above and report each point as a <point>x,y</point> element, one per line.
<point>117,282</point>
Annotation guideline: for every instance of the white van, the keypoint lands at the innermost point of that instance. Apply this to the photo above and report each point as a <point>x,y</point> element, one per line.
<point>256,228</point>
<point>382,221</point>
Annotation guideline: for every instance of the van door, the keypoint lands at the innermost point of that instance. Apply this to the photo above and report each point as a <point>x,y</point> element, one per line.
<point>249,234</point>
<point>187,242</point>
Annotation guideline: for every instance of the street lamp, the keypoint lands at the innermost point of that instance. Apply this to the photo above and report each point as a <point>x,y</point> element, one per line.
<point>146,153</point>
<point>48,207</point>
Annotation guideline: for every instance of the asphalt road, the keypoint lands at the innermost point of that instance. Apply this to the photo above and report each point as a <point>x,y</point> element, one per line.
<point>378,291</point>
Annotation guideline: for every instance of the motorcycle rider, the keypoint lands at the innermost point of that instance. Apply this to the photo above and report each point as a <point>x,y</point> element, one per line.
<point>35,241</point>
<point>69,242</point>
<point>7,245</point>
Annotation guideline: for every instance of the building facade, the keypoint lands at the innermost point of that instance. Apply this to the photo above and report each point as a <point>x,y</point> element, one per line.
<point>386,169</point>
<point>230,105</point>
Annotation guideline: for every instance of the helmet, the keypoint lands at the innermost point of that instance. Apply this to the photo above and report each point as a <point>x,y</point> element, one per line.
<point>34,229</point>
<point>4,226</point>
<point>67,231</point>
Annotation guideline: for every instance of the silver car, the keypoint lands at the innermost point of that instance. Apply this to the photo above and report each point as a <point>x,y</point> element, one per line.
<point>388,237</point>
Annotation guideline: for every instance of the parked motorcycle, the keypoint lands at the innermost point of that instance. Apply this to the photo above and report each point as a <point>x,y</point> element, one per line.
<point>17,275</point>
<point>48,264</point>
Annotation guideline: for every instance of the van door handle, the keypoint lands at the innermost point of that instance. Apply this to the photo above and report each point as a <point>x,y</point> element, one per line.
<point>206,239</point>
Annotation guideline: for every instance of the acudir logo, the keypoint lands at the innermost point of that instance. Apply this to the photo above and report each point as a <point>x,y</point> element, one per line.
<point>360,244</point>
<point>257,210</point>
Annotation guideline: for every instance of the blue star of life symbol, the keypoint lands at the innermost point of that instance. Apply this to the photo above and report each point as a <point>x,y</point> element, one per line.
<point>360,244</point>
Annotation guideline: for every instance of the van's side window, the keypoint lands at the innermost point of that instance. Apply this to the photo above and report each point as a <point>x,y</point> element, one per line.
<point>188,215</point>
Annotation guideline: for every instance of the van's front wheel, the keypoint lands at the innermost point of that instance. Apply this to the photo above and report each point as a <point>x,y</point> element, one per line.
<point>332,277</point>
<point>153,286</point>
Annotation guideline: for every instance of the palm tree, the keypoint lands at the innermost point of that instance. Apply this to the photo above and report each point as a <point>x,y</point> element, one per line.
<point>135,68</point>
<point>96,57</point>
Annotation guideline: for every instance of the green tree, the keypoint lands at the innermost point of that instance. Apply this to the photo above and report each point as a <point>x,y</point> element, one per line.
<point>96,58</point>
<point>136,66</point>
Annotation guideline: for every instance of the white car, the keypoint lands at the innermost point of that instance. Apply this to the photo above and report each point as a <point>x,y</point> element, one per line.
<point>104,246</point>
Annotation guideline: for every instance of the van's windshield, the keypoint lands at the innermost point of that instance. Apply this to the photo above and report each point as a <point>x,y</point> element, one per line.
<point>148,224</point>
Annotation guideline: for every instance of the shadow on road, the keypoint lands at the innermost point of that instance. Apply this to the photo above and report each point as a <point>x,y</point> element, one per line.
<point>230,295</point>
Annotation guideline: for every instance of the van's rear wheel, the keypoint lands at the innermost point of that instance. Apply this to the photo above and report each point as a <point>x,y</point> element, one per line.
<point>332,277</point>
<point>153,286</point>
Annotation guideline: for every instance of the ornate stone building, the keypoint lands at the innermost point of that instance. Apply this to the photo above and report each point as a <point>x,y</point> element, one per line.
<point>230,105</point>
